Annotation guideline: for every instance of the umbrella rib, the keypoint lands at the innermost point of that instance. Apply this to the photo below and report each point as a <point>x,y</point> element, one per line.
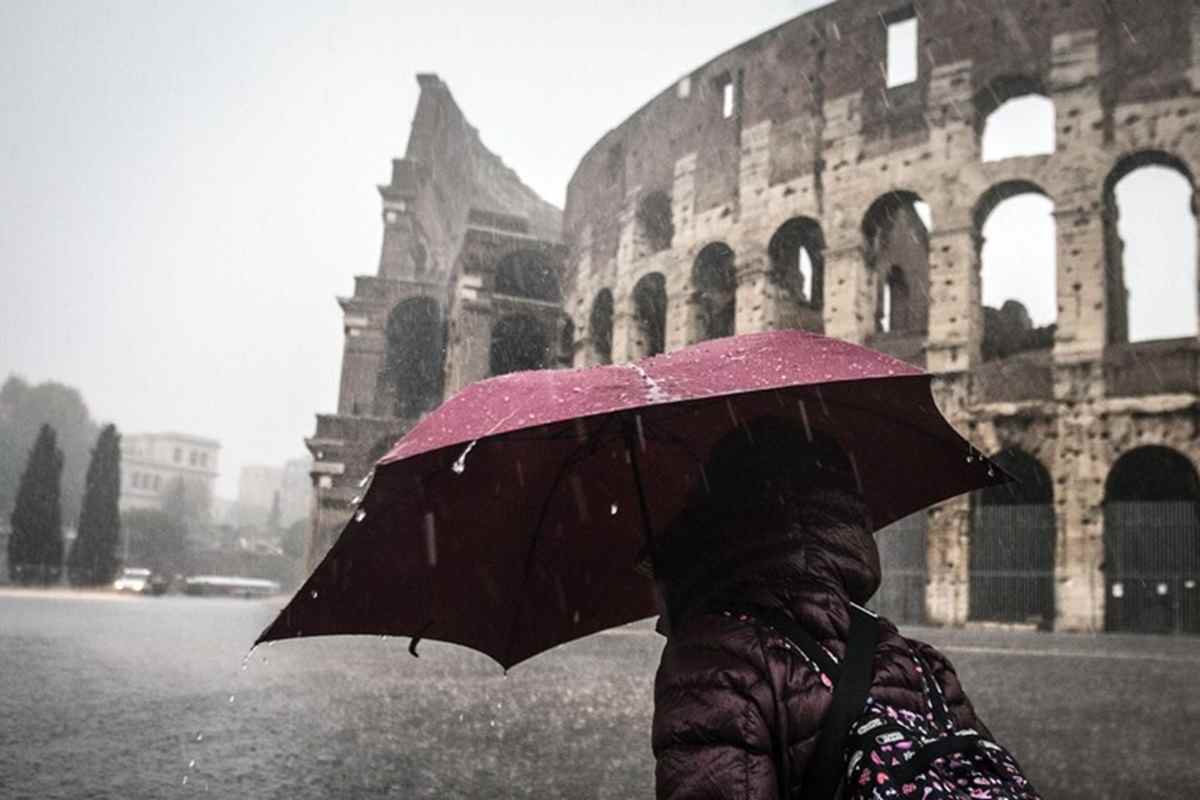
<point>587,449</point>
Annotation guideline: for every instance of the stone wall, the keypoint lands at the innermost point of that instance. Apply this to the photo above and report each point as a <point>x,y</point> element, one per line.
<point>817,134</point>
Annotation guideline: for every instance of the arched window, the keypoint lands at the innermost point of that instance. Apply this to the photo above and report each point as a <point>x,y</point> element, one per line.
<point>1014,227</point>
<point>529,274</point>
<point>414,356</point>
<point>600,326</point>
<point>650,315</point>
<point>896,244</point>
<point>654,221</point>
<point>1150,244</point>
<point>797,254</point>
<point>715,298</point>
<point>1012,545</point>
<point>1152,543</point>
<point>518,343</point>
<point>1016,118</point>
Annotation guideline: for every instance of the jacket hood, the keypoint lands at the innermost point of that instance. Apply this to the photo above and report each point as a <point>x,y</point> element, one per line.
<point>810,539</point>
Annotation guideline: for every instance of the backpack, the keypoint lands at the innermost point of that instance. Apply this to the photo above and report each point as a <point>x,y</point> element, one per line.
<point>869,750</point>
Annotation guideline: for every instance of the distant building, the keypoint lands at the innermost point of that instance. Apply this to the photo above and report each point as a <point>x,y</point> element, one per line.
<point>259,483</point>
<point>152,462</point>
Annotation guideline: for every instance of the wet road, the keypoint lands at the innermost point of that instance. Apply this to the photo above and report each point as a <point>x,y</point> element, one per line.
<point>131,698</point>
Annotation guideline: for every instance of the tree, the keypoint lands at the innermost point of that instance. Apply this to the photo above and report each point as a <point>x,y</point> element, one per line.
<point>93,559</point>
<point>35,547</point>
<point>23,410</point>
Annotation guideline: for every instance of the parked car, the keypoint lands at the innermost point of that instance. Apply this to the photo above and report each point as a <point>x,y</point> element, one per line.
<point>133,579</point>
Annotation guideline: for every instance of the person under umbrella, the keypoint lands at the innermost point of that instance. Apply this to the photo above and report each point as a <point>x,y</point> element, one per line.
<point>778,529</point>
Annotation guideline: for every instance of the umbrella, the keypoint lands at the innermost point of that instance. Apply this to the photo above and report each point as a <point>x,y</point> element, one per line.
<point>511,518</point>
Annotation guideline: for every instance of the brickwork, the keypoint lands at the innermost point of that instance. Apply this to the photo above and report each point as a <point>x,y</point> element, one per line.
<point>451,211</point>
<point>817,134</point>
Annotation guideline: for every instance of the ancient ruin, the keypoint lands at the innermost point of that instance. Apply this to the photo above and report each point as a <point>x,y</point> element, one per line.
<point>802,179</point>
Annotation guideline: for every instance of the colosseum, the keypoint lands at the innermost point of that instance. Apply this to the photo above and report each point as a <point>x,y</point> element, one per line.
<point>801,180</point>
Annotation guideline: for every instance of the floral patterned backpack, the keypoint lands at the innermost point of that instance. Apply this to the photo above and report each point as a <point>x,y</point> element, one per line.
<point>872,751</point>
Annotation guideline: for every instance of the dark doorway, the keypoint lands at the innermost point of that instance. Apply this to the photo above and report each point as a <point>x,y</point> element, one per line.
<point>413,360</point>
<point>1152,543</point>
<point>518,343</point>
<point>1012,544</point>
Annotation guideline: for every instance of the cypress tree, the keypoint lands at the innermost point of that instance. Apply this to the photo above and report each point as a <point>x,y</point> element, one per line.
<point>93,558</point>
<point>35,547</point>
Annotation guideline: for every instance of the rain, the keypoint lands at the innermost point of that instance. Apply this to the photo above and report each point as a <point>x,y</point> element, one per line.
<point>334,330</point>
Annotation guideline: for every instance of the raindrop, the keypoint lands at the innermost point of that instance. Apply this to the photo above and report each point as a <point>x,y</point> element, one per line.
<point>460,464</point>
<point>804,419</point>
<point>231,698</point>
<point>360,515</point>
<point>199,737</point>
<point>575,618</point>
<point>185,777</point>
<point>356,500</point>
<point>612,510</point>
<point>365,480</point>
<point>192,764</point>
<point>991,471</point>
<point>313,594</point>
<point>854,466</point>
<point>430,539</point>
<point>580,498</point>
<point>640,432</point>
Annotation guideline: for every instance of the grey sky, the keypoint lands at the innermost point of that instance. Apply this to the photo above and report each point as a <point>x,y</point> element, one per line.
<point>186,187</point>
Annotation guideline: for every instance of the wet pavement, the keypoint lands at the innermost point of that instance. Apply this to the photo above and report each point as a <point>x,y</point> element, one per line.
<point>145,697</point>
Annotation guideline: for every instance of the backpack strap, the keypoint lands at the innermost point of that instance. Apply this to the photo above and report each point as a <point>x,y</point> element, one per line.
<point>826,770</point>
<point>852,681</point>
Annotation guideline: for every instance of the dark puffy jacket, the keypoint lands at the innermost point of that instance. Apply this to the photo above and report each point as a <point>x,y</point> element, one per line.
<point>717,721</point>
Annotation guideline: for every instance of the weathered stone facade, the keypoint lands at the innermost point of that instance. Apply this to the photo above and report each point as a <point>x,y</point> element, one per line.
<point>778,185</point>
<point>817,135</point>
<point>453,214</point>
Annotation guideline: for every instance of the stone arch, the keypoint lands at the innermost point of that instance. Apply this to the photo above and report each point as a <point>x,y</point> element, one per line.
<point>714,298</point>
<point>1174,243</point>
<point>797,276</point>
<point>600,327</point>
<point>896,247</point>
<point>414,356</point>
<point>528,274</point>
<point>1152,543</point>
<point>650,315</point>
<point>518,343</point>
<point>1014,103</point>
<point>1010,316</point>
<point>654,220</point>
<point>1012,545</point>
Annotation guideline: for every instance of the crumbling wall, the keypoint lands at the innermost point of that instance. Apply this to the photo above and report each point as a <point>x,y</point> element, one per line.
<point>817,133</point>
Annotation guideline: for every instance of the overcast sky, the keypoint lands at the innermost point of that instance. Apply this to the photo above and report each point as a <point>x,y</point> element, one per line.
<point>186,187</point>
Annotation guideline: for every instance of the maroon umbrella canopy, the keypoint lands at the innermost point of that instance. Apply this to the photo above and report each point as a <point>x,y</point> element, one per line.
<point>508,519</point>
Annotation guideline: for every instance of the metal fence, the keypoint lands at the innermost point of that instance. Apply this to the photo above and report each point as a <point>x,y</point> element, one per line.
<point>902,556</point>
<point>1012,563</point>
<point>1152,566</point>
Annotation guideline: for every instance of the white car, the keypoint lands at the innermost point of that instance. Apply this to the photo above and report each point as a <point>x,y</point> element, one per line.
<point>132,579</point>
